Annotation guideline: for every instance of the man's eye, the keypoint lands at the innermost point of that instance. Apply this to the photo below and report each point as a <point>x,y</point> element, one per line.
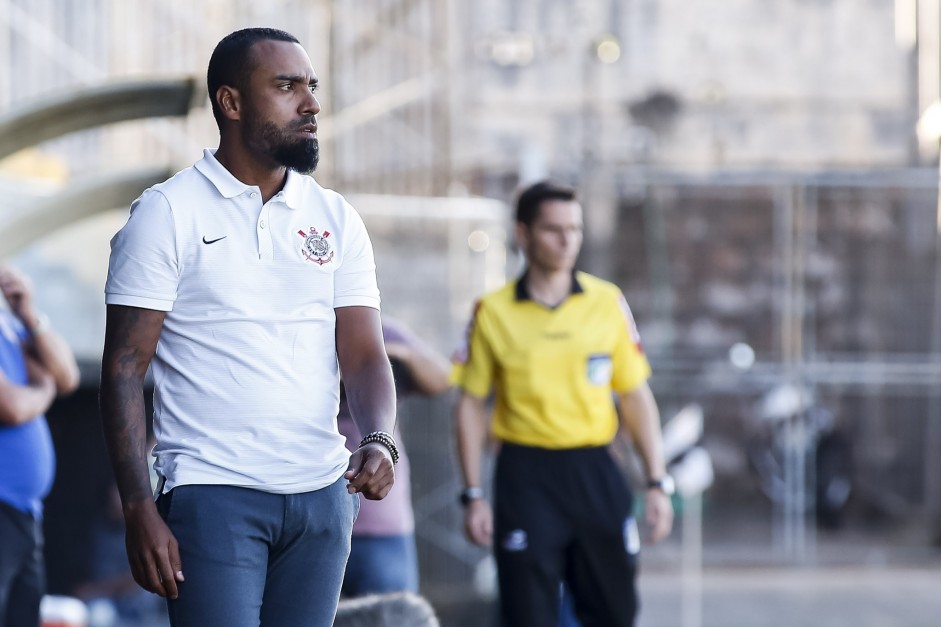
<point>312,88</point>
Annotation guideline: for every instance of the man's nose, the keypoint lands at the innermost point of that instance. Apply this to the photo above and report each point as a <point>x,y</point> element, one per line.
<point>311,106</point>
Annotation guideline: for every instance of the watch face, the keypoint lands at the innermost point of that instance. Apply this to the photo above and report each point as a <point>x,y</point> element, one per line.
<point>470,494</point>
<point>668,485</point>
<point>665,484</point>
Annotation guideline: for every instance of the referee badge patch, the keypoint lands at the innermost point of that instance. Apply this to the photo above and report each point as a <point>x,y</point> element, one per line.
<point>599,369</point>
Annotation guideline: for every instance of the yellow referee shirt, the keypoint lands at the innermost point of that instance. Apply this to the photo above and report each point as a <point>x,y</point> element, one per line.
<point>553,370</point>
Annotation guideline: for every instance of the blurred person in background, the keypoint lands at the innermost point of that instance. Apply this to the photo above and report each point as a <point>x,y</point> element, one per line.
<point>553,346</point>
<point>36,365</point>
<point>383,557</point>
<point>248,287</point>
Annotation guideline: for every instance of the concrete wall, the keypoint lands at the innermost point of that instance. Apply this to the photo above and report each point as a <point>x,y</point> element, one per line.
<point>709,84</point>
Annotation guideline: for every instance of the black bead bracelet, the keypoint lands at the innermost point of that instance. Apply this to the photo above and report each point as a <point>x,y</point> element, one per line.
<point>384,439</point>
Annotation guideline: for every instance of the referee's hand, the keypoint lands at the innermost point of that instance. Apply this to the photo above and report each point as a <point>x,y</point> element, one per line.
<point>659,514</point>
<point>478,522</point>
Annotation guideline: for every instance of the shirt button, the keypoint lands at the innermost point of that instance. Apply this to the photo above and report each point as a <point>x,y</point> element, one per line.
<point>262,224</point>
<point>254,195</point>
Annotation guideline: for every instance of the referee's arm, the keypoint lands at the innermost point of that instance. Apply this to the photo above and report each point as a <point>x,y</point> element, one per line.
<point>472,420</point>
<point>641,418</point>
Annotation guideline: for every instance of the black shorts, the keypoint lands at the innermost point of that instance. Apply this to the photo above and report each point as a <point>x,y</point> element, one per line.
<point>564,515</point>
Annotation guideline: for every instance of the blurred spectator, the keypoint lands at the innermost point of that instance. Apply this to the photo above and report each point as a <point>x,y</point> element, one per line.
<point>383,556</point>
<point>36,365</point>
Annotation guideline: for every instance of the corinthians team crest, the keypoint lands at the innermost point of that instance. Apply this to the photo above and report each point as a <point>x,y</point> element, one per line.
<point>316,246</point>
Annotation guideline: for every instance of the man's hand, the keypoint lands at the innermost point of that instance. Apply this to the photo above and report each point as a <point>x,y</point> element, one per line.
<point>478,522</point>
<point>152,550</point>
<point>659,514</point>
<point>51,350</point>
<point>18,292</point>
<point>371,471</point>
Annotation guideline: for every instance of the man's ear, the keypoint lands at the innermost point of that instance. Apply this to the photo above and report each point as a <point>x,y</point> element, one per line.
<point>229,102</point>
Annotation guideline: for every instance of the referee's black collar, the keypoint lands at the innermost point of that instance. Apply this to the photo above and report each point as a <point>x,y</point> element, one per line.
<point>522,292</point>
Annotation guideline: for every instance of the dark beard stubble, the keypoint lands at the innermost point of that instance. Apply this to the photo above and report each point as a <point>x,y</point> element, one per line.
<point>300,154</point>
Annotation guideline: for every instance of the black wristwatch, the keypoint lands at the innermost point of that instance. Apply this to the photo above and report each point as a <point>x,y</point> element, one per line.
<point>471,494</point>
<point>665,484</point>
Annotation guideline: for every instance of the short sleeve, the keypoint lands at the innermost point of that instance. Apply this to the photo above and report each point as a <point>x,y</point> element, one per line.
<point>143,270</point>
<point>474,365</point>
<point>630,365</point>
<point>354,283</point>
<point>394,332</point>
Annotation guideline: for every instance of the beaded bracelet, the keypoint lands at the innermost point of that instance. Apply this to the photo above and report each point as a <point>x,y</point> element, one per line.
<point>384,439</point>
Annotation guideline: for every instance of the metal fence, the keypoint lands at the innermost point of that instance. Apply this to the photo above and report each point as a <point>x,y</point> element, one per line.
<point>828,282</point>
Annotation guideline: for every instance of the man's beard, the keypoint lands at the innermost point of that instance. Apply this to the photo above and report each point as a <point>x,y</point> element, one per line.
<point>296,153</point>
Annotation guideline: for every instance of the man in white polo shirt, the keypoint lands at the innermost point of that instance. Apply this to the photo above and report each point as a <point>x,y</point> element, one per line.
<point>247,287</point>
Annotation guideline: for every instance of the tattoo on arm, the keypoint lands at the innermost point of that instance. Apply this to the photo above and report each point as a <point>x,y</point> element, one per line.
<point>130,343</point>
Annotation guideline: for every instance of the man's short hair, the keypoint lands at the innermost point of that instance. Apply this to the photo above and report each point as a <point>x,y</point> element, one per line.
<point>231,62</point>
<point>530,199</point>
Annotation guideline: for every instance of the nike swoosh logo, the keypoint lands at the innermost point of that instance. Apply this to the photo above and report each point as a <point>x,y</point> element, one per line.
<point>213,241</point>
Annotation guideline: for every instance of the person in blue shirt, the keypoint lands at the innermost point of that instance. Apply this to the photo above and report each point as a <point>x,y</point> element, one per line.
<point>36,365</point>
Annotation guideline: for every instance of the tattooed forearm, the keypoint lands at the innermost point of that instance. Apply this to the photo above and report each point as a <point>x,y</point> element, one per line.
<point>125,427</point>
<point>131,336</point>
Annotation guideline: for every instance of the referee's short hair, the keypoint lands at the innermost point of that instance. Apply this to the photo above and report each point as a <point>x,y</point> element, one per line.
<point>529,200</point>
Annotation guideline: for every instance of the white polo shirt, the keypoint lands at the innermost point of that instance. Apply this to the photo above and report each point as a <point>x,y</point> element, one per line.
<point>246,377</point>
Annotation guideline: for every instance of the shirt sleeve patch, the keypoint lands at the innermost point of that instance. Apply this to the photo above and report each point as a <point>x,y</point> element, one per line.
<point>631,325</point>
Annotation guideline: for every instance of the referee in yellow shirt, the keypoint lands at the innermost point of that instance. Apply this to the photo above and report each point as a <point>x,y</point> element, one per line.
<point>555,347</point>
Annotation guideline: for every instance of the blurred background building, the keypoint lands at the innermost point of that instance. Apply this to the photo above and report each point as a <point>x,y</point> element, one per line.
<point>759,177</point>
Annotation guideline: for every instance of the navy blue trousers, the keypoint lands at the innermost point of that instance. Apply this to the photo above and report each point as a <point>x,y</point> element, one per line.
<point>252,557</point>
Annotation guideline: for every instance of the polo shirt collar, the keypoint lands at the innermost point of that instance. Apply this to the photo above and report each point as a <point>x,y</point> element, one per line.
<point>230,187</point>
<point>522,292</point>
